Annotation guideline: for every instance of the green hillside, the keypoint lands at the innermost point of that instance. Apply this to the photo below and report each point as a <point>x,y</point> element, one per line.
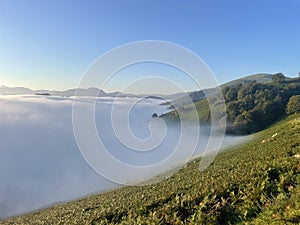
<point>251,106</point>
<point>256,183</point>
<point>201,94</point>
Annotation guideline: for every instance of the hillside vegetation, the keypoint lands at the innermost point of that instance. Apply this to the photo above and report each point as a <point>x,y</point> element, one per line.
<point>201,94</point>
<point>256,183</point>
<point>251,106</point>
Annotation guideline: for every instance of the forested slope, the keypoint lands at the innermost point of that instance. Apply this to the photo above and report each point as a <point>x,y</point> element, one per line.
<point>251,106</point>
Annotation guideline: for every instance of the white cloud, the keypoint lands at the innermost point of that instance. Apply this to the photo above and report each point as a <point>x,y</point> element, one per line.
<point>39,160</point>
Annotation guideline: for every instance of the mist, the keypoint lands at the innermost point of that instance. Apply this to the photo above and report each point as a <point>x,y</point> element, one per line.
<point>40,163</point>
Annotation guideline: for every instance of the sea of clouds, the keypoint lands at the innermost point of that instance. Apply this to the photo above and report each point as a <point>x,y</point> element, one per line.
<point>40,163</point>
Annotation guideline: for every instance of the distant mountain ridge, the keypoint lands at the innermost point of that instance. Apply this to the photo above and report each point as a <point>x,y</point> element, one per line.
<point>4,90</point>
<point>15,90</point>
<point>177,98</point>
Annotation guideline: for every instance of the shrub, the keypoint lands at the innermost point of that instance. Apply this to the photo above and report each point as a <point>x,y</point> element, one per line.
<point>293,105</point>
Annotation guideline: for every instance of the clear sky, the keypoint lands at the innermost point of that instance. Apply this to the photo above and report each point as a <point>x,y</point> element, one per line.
<point>49,44</point>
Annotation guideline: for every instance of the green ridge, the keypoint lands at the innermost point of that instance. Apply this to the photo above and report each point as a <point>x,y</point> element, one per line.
<point>251,106</point>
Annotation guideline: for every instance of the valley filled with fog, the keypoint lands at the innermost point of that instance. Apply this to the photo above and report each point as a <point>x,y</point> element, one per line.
<point>40,163</point>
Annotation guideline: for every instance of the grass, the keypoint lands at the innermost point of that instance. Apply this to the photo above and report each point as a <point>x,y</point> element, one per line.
<point>256,183</point>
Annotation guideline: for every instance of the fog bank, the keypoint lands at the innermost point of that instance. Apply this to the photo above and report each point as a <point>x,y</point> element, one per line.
<point>40,162</point>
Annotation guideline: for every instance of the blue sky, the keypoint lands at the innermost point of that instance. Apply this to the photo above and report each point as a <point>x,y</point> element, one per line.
<point>50,44</point>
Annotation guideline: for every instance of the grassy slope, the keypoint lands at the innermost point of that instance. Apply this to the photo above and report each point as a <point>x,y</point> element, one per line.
<point>260,78</point>
<point>257,183</point>
<point>203,111</point>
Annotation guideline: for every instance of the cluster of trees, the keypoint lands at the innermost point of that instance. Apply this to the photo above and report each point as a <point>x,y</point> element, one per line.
<point>293,105</point>
<point>253,106</point>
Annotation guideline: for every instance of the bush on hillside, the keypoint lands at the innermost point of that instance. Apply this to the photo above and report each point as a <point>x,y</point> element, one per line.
<point>293,105</point>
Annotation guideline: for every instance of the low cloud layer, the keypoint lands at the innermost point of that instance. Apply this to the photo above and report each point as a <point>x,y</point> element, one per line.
<point>39,160</point>
<point>40,163</point>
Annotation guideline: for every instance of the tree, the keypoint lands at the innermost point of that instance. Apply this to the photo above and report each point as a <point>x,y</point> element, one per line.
<point>154,115</point>
<point>230,93</point>
<point>293,105</point>
<point>278,78</point>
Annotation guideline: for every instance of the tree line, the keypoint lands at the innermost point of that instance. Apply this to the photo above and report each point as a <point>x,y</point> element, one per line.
<point>253,106</point>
